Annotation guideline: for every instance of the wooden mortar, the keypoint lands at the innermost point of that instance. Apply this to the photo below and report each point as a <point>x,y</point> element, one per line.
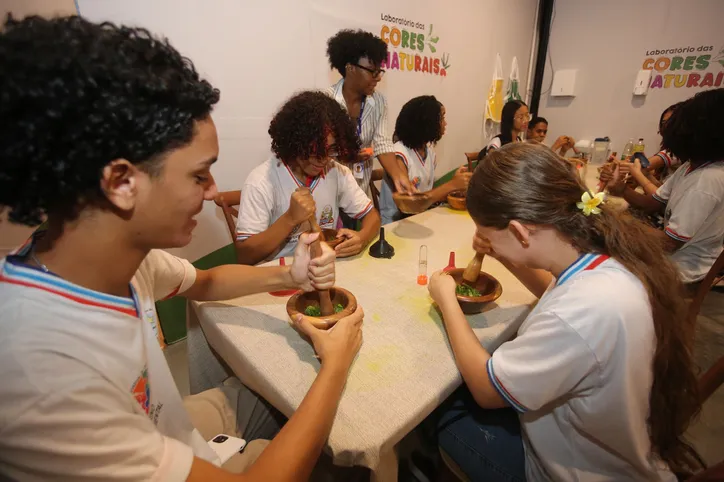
<point>330,237</point>
<point>489,288</point>
<point>457,200</point>
<point>339,296</point>
<point>412,203</point>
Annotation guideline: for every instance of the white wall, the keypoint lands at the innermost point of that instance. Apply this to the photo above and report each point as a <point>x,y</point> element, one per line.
<point>12,235</point>
<point>259,53</point>
<point>608,42</point>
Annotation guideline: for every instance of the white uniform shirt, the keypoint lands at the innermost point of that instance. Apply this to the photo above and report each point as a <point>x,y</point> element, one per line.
<point>579,373</point>
<point>267,192</point>
<point>372,130</point>
<point>694,215</point>
<point>420,171</point>
<point>86,392</point>
<point>496,143</point>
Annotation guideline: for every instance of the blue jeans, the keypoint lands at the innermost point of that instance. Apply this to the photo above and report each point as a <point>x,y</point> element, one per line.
<point>486,444</point>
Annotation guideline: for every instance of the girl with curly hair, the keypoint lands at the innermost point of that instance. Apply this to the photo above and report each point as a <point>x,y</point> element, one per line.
<point>312,136</point>
<point>420,125</point>
<point>692,199</point>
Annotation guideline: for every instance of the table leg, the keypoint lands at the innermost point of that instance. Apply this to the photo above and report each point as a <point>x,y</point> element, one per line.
<point>387,469</point>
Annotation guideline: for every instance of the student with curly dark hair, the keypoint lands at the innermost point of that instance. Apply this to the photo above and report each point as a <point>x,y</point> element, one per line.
<point>663,161</point>
<point>692,199</point>
<point>311,137</point>
<point>661,165</point>
<point>357,56</point>
<point>420,125</point>
<point>107,135</point>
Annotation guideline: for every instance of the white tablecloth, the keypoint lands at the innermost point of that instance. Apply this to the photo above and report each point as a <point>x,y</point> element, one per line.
<point>405,367</point>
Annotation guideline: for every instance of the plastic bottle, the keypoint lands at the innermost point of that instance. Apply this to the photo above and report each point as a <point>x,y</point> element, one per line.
<point>627,150</point>
<point>639,146</point>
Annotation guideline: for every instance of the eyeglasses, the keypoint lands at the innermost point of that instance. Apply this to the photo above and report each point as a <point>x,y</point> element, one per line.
<point>374,72</point>
<point>524,117</point>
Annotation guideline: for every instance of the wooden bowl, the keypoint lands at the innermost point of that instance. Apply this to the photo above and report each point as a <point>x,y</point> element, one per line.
<point>340,296</point>
<point>457,200</point>
<point>330,237</point>
<point>486,284</point>
<point>412,203</point>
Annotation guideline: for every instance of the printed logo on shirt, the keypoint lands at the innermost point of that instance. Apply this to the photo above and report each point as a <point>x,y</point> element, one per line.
<point>416,182</point>
<point>141,390</point>
<point>327,218</point>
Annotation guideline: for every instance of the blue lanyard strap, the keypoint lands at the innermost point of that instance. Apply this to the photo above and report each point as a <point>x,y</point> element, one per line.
<point>359,119</point>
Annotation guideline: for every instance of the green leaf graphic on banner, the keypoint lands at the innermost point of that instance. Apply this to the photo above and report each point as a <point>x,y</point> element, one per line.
<point>446,61</point>
<point>432,40</point>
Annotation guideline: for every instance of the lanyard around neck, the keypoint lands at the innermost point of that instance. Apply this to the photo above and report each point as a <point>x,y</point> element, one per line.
<point>359,119</point>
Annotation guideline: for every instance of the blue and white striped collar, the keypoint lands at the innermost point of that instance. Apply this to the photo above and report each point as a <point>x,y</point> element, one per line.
<point>16,272</point>
<point>583,263</point>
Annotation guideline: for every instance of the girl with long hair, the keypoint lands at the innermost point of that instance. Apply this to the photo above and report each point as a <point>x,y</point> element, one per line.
<point>513,123</point>
<point>600,373</point>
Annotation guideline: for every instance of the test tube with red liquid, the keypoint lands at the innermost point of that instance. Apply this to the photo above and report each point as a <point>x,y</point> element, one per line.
<point>422,266</point>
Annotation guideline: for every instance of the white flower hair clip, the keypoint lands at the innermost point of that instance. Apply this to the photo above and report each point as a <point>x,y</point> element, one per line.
<point>589,205</point>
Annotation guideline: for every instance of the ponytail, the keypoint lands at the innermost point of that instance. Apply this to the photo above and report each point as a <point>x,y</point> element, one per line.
<point>674,399</point>
<point>531,184</point>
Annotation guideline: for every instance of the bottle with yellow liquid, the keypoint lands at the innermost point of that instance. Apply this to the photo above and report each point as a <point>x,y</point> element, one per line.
<point>639,146</point>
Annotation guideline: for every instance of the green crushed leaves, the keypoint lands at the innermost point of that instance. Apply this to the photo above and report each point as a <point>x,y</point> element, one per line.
<point>465,290</point>
<point>317,311</point>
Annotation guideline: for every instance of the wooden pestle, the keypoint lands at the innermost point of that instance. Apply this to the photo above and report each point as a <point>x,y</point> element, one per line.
<point>472,271</point>
<point>325,302</point>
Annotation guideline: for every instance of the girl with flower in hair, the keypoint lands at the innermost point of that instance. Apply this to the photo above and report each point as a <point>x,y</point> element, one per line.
<point>599,382</point>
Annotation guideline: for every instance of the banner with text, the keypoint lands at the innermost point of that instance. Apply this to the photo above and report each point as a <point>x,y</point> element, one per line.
<point>685,67</point>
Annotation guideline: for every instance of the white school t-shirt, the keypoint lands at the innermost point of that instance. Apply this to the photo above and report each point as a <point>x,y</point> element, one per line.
<point>420,172</point>
<point>496,143</point>
<point>694,215</point>
<point>580,373</point>
<point>267,192</point>
<point>86,392</point>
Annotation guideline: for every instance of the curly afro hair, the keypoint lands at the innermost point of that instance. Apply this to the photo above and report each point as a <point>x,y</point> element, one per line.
<point>348,46</point>
<point>300,129</point>
<point>75,96</point>
<point>419,122</point>
<point>693,132</point>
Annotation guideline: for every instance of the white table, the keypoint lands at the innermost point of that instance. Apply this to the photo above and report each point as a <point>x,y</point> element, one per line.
<point>405,367</point>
